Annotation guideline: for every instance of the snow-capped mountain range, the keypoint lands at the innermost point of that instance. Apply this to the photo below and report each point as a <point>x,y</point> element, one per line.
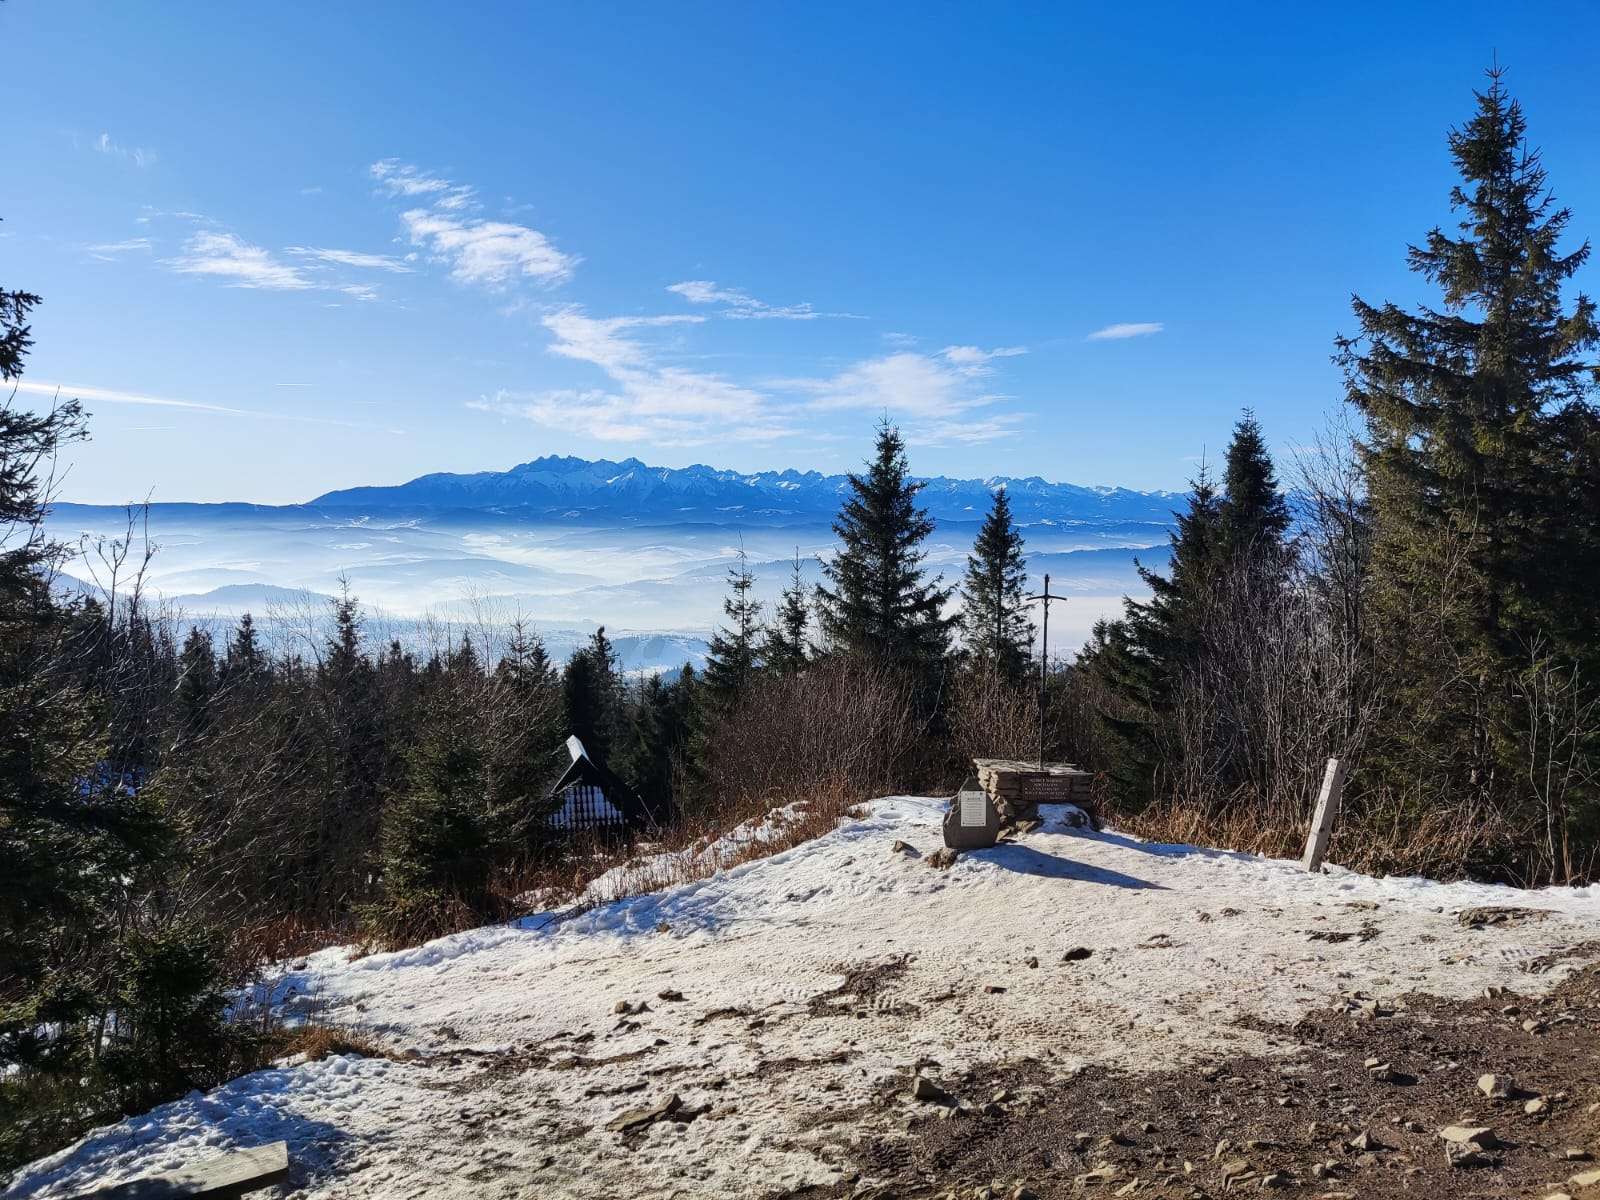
<point>552,485</point>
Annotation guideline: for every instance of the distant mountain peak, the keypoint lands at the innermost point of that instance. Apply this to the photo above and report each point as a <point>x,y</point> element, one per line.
<point>568,487</point>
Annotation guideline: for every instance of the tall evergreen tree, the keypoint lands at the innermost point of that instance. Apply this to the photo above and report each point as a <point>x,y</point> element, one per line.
<point>784,645</point>
<point>995,626</point>
<point>1253,515</point>
<point>1481,433</point>
<point>881,603</point>
<point>591,687</point>
<point>1139,658</point>
<point>731,657</point>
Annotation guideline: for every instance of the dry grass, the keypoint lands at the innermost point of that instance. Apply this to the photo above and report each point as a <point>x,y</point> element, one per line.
<point>317,1041</point>
<point>1375,836</point>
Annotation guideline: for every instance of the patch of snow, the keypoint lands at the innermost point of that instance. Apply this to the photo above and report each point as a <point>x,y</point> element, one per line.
<point>1186,942</point>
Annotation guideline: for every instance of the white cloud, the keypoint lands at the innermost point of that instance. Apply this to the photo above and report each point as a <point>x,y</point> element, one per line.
<point>99,395</point>
<point>402,179</point>
<point>743,306</point>
<point>973,361</point>
<point>645,400</point>
<point>1129,329</point>
<point>353,258</point>
<point>935,396</point>
<point>109,251</point>
<point>244,265</point>
<point>138,155</point>
<point>478,251</point>
<point>492,253</point>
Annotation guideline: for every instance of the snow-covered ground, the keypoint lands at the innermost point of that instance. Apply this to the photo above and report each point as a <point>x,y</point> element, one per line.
<point>512,1058</point>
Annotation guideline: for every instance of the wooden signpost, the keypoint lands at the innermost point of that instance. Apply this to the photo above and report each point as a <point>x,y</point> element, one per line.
<point>1327,813</point>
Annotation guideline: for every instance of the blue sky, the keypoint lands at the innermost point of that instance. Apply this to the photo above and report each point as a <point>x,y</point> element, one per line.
<point>294,247</point>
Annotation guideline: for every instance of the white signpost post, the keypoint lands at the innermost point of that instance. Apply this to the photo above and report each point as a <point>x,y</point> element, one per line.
<point>1327,813</point>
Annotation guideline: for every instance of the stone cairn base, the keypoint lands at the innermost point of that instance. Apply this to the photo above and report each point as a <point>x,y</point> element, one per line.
<point>1018,787</point>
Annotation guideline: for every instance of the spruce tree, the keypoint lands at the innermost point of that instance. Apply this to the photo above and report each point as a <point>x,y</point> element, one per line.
<point>1138,659</point>
<point>731,657</point>
<point>1253,516</point>
<point>1481,435</point>
<point>881,604</point>
<point>995,626</point>
<point>591,689</point>
<point>784,646</point>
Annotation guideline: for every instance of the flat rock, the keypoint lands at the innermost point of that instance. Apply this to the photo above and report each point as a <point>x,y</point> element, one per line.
<point>906,848</point>
<point>1585,1179</point>
<point>1468,1154</point>
<point>638,1118</point>
<point>1077,954</point>
<point>1462,1134</point>
<point>1496,1087</point>
<point>926,1090</point>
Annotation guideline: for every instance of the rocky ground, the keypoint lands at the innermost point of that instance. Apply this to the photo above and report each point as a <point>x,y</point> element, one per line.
<point>1495,1096</point>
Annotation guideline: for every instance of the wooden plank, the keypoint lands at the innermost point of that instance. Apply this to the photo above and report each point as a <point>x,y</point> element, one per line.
<point>228,1175</point>
<point>1327,813</point>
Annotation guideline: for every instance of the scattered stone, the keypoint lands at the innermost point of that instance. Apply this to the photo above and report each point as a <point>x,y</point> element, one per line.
<point>1462,1135</point>
<point>1468,1154</point>
<point>623,1008</point>
<point>1276,1179</point>
<point>1236,1170</point>
<point>638,1118</point>
<point>1033,963</point>
<point>1496,1087</point>
<point>1532,1026</point>
<point>1478,918</point>
<point>994,989</point>
<point>943,858</point>
<point>926,1090</point>
<point>1022,1191</point>
<point>669,994</point>
<point>1585,1179</point>
<point>1365,1142</point>
<point>901,847</point>
<point>1077,954</point>
<point>1572,1154</point>
<point>1536,1106</point>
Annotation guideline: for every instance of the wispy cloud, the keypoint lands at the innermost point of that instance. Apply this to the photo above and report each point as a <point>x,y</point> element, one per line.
<point>973,361</point>
<point>1128,329</point>
<point>490,253</point>
<point>645,400</point>
<point>935,395</point>
<point>743,306</point>
<point>243,265</point>
<point>111,251</point>
<point>402,179</point>
<point>99,395</point>
<point>229,257</point>
<point>138,155</point>
<point>352,258</point>
<point>478,251</point>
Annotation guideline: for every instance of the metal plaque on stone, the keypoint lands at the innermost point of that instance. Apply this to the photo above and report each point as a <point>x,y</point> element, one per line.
<point>972,821</point>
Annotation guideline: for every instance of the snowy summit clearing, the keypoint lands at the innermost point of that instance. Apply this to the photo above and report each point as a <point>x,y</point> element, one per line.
<point>784,996</point>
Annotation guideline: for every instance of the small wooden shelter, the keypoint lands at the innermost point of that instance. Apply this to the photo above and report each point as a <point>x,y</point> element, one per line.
<point>591,798</point>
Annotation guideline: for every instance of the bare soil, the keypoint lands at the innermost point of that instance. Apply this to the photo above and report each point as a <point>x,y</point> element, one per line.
<point>1354,1110</point>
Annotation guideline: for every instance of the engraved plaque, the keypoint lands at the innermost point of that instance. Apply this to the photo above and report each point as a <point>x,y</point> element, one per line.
<point>974,810</point>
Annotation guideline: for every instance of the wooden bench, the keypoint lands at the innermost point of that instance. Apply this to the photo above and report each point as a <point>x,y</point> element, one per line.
<point>235,1174</point>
